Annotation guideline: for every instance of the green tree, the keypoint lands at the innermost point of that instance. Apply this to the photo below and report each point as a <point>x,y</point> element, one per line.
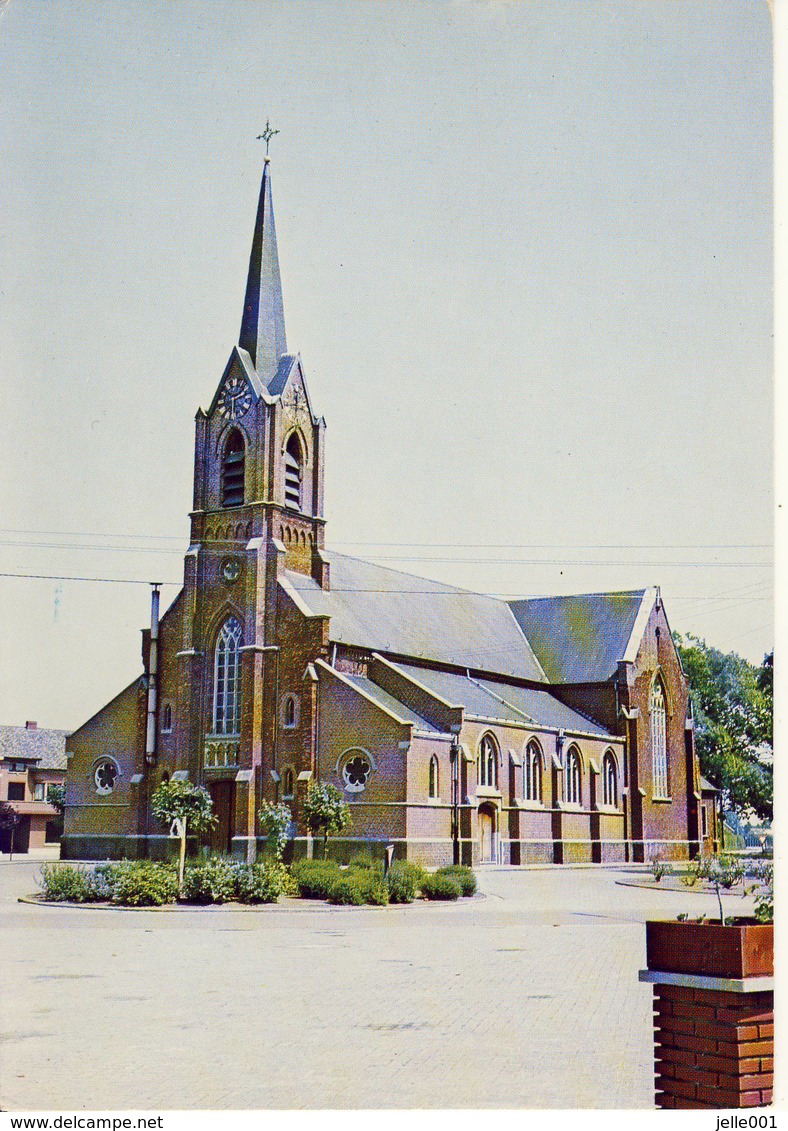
<point>56,796</point>
<point>732,703</point>
<point>187,808</point>
<point>9,820</point>
<point>326,811</point>
<point>275,822</point>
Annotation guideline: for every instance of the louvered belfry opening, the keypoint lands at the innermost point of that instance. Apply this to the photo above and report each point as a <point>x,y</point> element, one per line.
<point>293,472</point>
<point>233,470</point>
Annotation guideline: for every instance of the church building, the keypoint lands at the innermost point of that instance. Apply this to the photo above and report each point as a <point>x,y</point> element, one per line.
<point>458,726</point>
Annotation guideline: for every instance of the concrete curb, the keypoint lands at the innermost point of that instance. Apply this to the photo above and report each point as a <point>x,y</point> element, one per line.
<point>288,904</point>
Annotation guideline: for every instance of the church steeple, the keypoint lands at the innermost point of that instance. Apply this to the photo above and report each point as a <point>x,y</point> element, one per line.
<point>263,325</point>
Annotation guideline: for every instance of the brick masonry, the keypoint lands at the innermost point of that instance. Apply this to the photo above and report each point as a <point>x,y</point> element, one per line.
<point>713,1049</point>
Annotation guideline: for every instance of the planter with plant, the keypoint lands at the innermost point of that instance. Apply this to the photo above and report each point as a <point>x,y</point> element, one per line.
<point>714,997</point>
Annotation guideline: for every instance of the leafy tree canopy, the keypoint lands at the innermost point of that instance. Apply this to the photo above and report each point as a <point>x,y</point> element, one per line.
<point>183,801</point>
<point>732,703</point>
<point>275,822</point>
<point>325,808</point>
<point>56,795</point>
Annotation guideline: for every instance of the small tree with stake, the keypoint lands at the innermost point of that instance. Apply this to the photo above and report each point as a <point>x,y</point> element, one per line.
<point>275,822</point>
<point>723,873</point>
<point>187,808</point>
<point>9,820</point>
<point>326,810</point>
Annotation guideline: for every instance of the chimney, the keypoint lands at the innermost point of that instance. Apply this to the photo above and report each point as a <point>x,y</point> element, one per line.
<point>31,724</point>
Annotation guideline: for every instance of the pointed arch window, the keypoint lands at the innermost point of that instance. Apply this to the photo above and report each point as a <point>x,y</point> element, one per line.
<point>233,470</point>
<point>434,781</point>
<point>227,679</point>
<point>293,472</point>
<point>573,778</point>
<point>659,738</point>
<point>532,771</point>
<point>487,762</point>
<point>288,784</point>
<point>166,718</point>
<point>610,780</point>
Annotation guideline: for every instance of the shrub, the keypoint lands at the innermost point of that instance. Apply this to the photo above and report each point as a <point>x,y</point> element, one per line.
<point>142,883</point>
<point>441,887</point>
<point>362,859</point>
<point>64,883</point>
<point>402,882</point>
<point>359,885</point>
<point>346,889</point>
<point>463,875</point>
<point>315,877</point>
<point>763,890</point>
<point>659,869</point>
<point>691,876</point>
<point>216,881</point>
<point>261,883</point>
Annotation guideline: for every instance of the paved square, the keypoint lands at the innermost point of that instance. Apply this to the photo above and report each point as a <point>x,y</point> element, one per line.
<point>526,996</point>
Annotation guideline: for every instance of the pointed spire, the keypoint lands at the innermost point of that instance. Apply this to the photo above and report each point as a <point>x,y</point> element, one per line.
<point>263,325</point>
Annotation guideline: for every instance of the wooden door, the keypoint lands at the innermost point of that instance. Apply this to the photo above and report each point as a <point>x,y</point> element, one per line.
<point>486,836</point>
<point>223,794</point>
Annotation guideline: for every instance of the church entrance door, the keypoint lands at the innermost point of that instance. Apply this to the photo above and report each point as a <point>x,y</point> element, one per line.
<point>223,795</point>
<point>487,834</point>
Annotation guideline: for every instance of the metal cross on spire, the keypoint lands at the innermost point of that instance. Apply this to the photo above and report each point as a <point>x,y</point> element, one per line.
<point>266,135</point>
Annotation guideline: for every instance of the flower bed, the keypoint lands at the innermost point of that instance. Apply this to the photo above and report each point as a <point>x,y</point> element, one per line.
<point>219,880</point>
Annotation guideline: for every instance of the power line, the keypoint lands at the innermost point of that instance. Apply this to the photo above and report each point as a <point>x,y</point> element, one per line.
<point>640,563</point>
<point>419,545</point>
<point>453,592</point>
<point>105,580</point>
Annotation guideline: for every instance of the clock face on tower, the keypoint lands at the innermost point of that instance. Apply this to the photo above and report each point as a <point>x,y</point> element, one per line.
<point>235,399</point>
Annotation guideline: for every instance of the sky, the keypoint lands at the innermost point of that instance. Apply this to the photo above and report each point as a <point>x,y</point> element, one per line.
<point>526,256</point>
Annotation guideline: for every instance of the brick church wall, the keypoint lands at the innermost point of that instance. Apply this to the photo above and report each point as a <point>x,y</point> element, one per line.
<point>95,825</point>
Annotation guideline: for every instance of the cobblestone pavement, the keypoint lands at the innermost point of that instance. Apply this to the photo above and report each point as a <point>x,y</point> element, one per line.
<point>525,996</point>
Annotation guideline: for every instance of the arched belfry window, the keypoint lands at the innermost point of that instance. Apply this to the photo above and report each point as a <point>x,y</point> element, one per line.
<point>532,771</point>
<point>293,472</point>
<point>233,467</point>
<point>487,762</point>
<point>227,679</point>
<point>659,738</point>
<point>609,780</point>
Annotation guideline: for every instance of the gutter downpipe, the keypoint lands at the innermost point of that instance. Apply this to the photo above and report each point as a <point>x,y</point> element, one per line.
<point>153,673</point>
<point>454,757</point>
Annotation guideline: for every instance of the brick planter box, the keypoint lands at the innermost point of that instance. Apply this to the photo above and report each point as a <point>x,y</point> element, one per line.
<point>713,1013</point>
<point>741,950</point>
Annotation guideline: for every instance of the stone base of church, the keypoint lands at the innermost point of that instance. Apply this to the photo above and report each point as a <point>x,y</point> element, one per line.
<point>431,853</point>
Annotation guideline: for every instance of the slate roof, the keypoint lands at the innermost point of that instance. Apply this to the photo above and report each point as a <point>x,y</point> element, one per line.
<point>580,639</point>
<point>387,611</point>
<point>263,324</point>
<point>706,784</point>
<point>389,703</point>
<point>46,748</point>
<point>520,704</point>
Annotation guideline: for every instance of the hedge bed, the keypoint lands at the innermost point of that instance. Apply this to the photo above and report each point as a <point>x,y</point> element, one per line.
<point>145,883</point>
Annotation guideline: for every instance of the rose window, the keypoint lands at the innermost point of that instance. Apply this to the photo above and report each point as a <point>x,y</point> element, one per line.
<point>356,772</point>
<point>105,775</point>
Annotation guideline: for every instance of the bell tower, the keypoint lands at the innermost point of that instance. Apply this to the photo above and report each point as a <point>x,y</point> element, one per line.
<point>259,448</point>
<point>257,513</point>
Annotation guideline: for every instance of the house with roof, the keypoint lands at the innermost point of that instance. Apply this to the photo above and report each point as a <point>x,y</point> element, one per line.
<point>459,726</point>
<point>32,764</point>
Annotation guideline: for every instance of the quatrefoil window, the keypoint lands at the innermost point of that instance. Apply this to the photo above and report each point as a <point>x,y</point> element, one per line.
<point>356,771</point>
<point>105,775</point>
